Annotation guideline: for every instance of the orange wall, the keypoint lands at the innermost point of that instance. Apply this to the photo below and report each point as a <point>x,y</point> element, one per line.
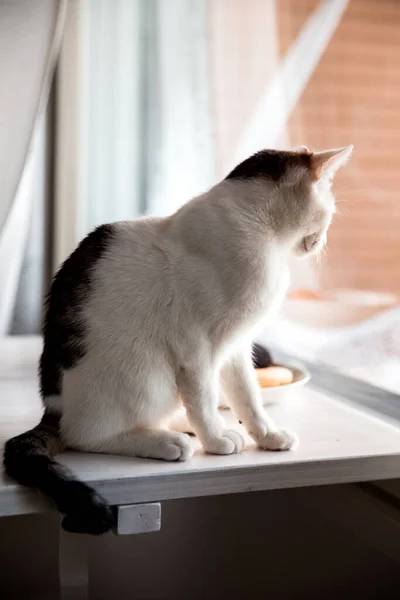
<point>353,97</point>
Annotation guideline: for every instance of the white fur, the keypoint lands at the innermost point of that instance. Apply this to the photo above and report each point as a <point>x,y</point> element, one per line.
<point>174,305</point>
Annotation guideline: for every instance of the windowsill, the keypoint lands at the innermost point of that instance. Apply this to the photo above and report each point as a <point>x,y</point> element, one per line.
<point>339,444</point>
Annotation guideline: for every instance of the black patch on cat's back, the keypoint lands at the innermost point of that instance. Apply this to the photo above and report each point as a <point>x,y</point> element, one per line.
<point>271,164</point>
<point>64,327</point>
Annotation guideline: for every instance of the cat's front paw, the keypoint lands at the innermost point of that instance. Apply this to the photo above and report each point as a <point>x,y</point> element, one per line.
<point>230,442</point>
<point>282,439</point>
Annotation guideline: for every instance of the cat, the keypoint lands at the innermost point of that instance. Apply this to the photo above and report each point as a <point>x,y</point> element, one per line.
<point>155,313</point>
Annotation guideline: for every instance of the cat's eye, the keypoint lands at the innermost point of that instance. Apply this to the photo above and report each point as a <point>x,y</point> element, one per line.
<point>310,242</point>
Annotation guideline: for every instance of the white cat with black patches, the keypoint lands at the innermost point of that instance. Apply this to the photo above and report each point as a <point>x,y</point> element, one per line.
<point>152,314</point>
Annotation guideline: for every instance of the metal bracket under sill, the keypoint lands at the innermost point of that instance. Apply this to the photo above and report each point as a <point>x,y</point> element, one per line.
<point>137,518</point>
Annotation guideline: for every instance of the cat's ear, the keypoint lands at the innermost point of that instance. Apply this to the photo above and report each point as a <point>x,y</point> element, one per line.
<point>325,164</point>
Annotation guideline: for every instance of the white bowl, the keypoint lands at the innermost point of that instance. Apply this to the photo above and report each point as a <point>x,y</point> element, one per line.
<point>272,395</point>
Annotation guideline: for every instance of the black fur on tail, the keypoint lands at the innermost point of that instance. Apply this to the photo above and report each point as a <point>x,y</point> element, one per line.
<point>28,458</point>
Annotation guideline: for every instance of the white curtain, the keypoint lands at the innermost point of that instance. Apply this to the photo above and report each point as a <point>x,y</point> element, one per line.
<point>112,107</point>
<point>30,35</point>
<point>34,266</point>
<point>136,75</point>
<point>179,144</point>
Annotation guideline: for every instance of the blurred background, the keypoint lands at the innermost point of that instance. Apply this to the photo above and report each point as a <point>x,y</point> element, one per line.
<point>153,101</point>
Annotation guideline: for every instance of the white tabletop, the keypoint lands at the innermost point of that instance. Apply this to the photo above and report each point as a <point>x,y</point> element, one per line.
<point>338,444</point>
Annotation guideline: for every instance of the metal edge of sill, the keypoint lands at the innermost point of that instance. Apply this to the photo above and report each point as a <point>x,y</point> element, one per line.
<point>381,402</point>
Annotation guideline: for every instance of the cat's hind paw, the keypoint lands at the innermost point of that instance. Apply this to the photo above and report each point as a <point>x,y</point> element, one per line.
<point>179,448</point>
<point>282,439</point>
<point>230,442</point>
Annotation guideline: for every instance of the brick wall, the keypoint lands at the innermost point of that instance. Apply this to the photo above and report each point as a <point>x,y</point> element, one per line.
<point>353,97</point>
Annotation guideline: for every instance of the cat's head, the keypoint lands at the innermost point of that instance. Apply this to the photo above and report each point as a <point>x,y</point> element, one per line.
<point>292,192</point>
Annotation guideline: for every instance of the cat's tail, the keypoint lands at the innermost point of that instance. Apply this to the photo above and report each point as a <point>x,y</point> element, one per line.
<point>28,458</point>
